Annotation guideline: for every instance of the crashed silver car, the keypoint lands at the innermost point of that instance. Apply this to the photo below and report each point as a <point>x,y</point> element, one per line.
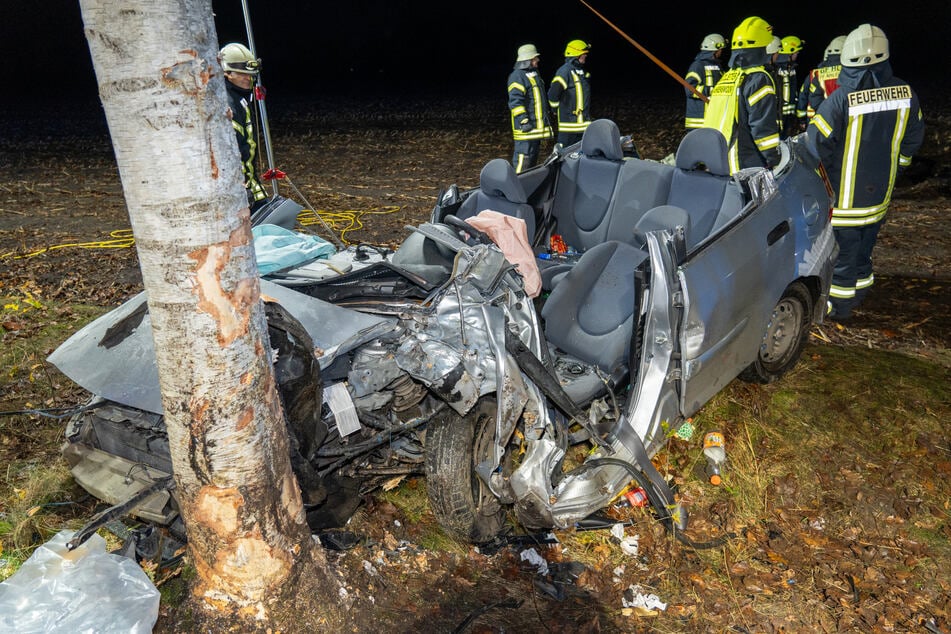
<point>434,359</point>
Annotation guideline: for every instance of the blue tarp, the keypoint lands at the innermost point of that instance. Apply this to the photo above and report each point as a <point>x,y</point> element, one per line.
<point>277,248</point>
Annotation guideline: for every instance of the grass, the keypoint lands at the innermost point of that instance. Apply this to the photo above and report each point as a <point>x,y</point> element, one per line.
<point>36,488</point>
<point>33,499</point>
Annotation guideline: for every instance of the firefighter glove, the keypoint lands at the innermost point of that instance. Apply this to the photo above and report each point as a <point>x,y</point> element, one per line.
<point>525,125</point>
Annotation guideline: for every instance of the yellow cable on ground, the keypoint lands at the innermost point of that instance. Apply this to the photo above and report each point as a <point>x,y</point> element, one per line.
<point>121,239</point>
<point>342,222</point>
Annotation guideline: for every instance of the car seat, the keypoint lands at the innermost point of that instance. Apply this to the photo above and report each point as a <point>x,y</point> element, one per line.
<point>660,217</point>
<point>700,182</point>
<point>589,317</point>
<point>499,190</point>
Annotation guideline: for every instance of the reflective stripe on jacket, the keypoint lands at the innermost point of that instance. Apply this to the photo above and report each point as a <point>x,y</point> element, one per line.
<point>743,108</point>
<point>863,133</point>
<point>570,95</point>
<point>242,120</point>
<point>703,74</point>
<point>526,91</point>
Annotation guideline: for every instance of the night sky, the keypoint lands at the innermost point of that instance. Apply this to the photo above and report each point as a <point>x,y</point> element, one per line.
<point>392,47</point>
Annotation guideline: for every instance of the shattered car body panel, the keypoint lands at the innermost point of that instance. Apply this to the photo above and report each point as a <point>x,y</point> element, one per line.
<point>434,360</point>
<point>114,356</point>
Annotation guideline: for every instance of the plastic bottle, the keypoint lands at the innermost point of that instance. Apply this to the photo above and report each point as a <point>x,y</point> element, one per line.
<point>715,451</point>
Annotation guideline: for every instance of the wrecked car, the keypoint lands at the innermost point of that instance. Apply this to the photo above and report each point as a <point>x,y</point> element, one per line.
<point>435,359</point>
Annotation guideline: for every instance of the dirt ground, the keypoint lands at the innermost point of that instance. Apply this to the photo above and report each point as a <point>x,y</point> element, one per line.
<point>814,562</point>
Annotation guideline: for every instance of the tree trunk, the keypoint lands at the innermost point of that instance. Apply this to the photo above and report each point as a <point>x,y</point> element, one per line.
<point>163,93</point>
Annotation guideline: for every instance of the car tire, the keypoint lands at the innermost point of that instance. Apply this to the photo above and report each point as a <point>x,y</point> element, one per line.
<point>460,500</point>
<point>785,336</point>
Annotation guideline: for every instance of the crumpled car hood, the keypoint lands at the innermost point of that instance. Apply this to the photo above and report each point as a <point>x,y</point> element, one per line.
<point>114,356</point>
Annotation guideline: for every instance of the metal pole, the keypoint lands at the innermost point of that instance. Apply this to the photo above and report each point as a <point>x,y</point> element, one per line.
<point>259,93</point>
<point>664,66</point>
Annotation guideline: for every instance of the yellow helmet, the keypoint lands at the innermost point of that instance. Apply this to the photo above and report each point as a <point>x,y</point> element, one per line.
<point>237,58</point>
<point>791,44</point>
<point>577,48</point>
<point>753,32</point>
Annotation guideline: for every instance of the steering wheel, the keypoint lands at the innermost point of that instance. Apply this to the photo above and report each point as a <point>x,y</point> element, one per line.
<point>469,234</point>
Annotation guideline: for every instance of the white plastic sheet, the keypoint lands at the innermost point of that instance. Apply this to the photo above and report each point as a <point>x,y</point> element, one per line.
<point>87,590</point>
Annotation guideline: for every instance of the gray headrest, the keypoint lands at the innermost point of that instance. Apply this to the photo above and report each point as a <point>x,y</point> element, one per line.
<point>498,179</point>
<point>704,146</point>
<point>602,138</point>
<point>663,217</point>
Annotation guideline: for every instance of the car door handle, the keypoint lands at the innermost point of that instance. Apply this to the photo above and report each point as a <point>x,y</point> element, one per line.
<point>778,232</point>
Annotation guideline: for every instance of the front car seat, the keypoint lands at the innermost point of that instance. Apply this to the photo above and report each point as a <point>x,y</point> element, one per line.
<point>501,191</point>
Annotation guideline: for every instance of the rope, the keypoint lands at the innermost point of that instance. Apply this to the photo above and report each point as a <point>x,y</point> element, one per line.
<point>337,223</point>
<point>342,222</point>
<point>121,239</point>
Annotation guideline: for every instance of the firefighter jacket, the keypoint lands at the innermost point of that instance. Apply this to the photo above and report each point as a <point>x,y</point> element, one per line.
<point>802,103</point>
<point>527,105</point>
<point>703,74</point>
<point>242,120</point>
<point>570,96</point>
<point>868,128</point>
<point>743,108</point>
<point>823,82</point>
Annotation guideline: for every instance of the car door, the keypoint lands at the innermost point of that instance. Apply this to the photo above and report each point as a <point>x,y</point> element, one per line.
<point>730,286</point>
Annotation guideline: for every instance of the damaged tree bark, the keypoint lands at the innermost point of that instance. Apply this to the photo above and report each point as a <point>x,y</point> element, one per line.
<point>164,98</point>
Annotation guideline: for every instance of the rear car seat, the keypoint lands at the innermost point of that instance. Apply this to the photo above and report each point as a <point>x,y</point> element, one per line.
<point>701,180</point>
<point>586,186</point>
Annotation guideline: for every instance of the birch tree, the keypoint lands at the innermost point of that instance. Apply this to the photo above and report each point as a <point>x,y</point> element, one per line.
<point>164,98</point>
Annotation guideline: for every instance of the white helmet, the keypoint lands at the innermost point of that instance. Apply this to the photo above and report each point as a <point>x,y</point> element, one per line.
<point>774,45</point>
<point>526,52</point>
<point>237,58</point>
<point>712,42</point>
<point>835,46</point>
<point>865,46</point>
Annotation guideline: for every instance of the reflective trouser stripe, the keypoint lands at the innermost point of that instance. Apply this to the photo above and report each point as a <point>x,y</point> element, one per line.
<point>841,292</point>
<point>694,122</point>
<point>848,292</point>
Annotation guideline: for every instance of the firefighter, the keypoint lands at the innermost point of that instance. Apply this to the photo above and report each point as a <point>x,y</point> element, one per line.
<point>703,74</point>
<point>570,93</point>
<point>788,86</point>
<point>819,83</point>
<point>826,79</point>
<point>867,130</point>
<point>240,68</point>
<point>743,103</point>
<point>530,120</point>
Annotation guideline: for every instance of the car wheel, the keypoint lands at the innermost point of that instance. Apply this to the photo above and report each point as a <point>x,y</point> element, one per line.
<point>460,500</point>
<point>785,336</point>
